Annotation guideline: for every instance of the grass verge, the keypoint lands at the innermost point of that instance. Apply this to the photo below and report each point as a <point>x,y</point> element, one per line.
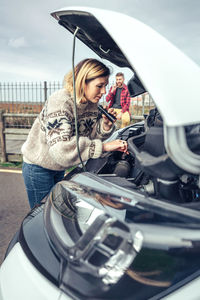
<point>16,165</point>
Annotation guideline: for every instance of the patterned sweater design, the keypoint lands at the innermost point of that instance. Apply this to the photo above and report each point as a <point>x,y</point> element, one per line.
<point>51,142</point>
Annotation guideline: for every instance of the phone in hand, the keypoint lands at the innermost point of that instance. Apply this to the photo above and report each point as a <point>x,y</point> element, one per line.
<point>107,114</point>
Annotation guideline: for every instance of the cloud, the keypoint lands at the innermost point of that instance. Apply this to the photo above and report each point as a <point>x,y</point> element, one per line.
<point>18,42</point>
<point>34,46</point>
<point>28,73</point>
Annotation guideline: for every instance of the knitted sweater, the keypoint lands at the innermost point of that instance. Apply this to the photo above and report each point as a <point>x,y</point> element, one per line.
<point>51,142</point>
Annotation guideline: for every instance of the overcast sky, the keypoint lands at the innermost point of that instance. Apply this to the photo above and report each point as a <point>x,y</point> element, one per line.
<point>34,47</point>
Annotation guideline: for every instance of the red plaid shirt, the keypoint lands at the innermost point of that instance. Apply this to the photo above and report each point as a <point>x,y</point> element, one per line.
<point>124,98</point>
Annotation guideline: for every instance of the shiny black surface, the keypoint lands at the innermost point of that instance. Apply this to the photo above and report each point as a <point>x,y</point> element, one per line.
<point>93,34</point>
<point>36,246</point>
<point>168,259</point>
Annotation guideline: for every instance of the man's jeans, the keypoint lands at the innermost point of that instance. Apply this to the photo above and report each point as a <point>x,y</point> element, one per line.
<point>39,181</point>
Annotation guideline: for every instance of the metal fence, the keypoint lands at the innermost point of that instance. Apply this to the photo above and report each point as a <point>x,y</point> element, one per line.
<point>19,100</point>
<point>20,104</point>
<point>25,97</point>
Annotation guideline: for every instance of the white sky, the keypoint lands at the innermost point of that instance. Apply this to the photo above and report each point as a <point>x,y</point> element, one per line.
<point>34,47</point>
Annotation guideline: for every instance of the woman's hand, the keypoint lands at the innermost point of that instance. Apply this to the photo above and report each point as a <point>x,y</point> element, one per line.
<point>116,145</point>
<point>106,123</point>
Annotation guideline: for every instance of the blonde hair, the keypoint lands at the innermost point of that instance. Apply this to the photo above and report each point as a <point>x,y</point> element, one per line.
<point>85,71</point>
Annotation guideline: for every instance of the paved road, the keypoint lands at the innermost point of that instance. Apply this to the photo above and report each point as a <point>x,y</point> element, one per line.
<point>13,206</point>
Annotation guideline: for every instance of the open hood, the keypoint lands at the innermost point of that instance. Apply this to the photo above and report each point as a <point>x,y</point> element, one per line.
<point>163,70</point>
<point>93,34</point>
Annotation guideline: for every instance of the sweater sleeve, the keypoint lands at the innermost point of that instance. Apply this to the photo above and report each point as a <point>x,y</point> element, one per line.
<point>61,139</point>
<point>99,133</point>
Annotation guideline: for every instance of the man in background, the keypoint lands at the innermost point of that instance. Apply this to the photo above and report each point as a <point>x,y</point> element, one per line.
<point>119,99</point>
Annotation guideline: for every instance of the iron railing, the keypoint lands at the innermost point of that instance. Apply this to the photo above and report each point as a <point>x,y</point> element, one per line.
<point>21,98</point>
<point>25,97</point>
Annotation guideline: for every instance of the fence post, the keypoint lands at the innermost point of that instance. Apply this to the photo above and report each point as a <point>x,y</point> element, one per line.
<point>132,107</point>
<point>143,103</point>
<point>2,137</point>
<point>45,91</point>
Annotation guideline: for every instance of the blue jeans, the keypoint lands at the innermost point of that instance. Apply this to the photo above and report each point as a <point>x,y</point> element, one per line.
<point>39,181</point>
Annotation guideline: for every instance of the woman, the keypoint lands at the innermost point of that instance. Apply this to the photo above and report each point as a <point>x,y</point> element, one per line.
<point>51,144</point>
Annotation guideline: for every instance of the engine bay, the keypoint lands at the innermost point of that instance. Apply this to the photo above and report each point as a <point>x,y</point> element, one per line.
<point>147,167</point>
